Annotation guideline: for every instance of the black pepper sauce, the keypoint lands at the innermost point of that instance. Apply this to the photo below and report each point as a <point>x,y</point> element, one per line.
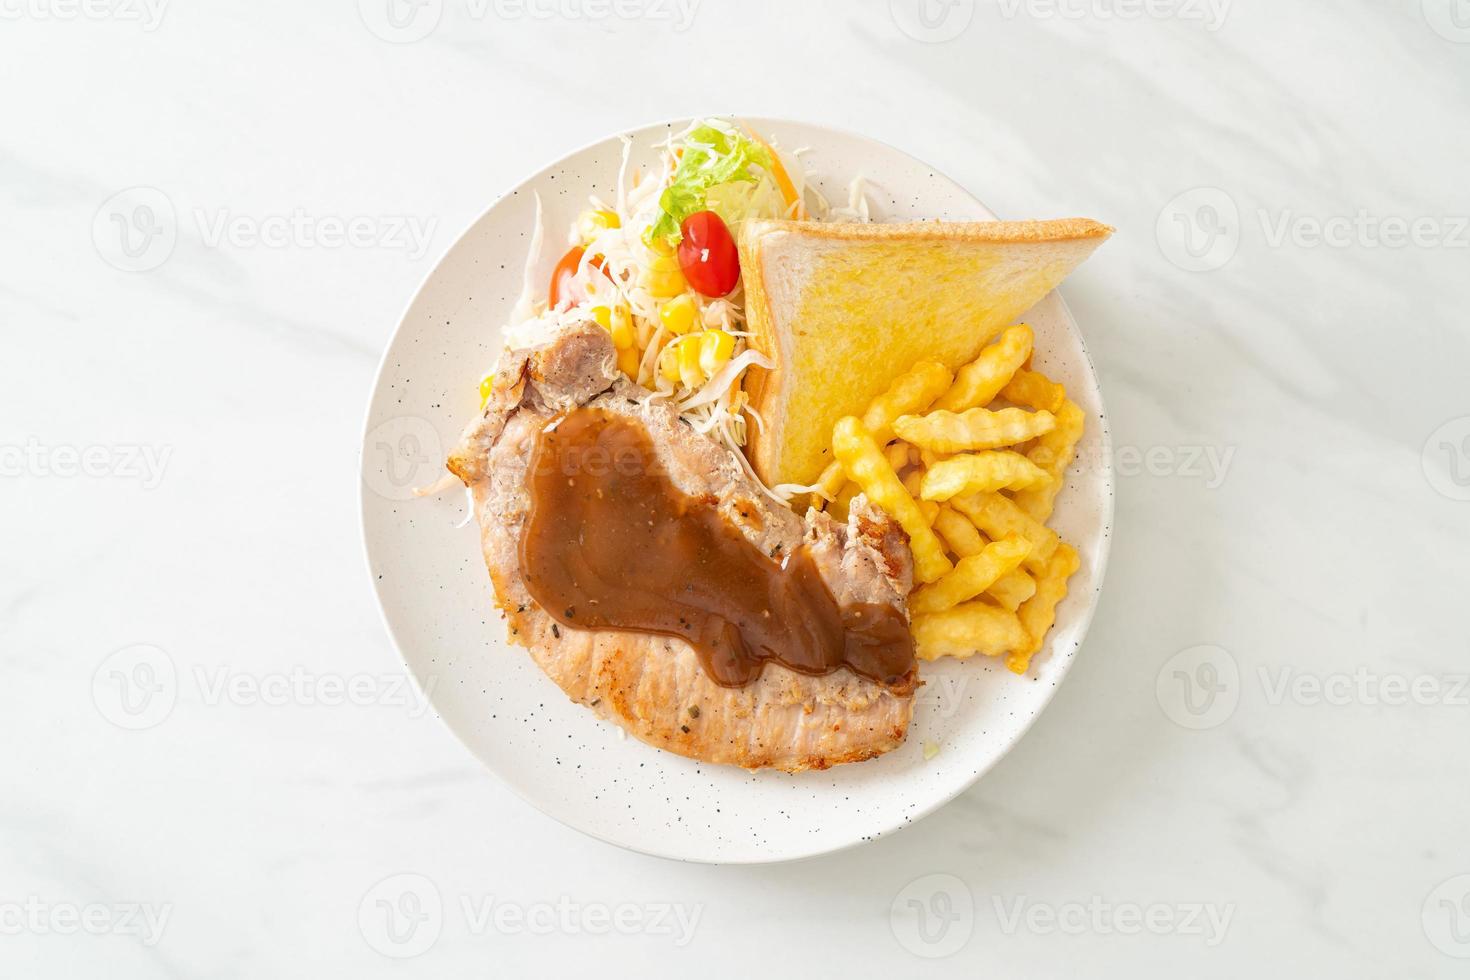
<point>611,543</point>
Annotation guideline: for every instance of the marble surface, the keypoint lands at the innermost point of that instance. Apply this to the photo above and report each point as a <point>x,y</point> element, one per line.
<point>214,213</point>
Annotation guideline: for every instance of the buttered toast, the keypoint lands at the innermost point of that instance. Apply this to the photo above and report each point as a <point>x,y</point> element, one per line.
<point>842,309</point>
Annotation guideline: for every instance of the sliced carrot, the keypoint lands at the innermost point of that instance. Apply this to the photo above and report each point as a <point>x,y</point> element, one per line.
<point>783,180</point>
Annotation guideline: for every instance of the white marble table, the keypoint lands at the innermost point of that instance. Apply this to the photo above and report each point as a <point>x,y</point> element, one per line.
<point>1258,765</point>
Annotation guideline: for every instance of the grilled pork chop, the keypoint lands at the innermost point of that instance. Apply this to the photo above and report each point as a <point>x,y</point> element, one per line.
<point>655,685</point>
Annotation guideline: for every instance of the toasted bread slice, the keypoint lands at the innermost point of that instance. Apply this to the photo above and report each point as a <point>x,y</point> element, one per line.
<point>843,309</point>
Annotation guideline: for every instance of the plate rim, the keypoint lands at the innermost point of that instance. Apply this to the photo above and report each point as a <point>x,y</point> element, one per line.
<point>1084,622</point>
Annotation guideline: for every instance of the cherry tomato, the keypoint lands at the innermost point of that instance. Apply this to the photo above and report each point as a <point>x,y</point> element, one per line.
<point>707,254</point>
<point>561,278</point>
<point>563,291</point>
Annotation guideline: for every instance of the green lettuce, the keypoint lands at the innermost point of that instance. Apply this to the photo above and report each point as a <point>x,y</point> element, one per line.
<point>720,158</point>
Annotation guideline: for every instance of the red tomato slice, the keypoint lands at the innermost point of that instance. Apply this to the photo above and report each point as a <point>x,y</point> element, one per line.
<point>707,254</point>
<point>563,290</point>
<point>561,278</point>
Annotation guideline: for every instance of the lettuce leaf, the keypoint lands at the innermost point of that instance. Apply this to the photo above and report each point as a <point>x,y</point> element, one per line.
<point>711,156</point>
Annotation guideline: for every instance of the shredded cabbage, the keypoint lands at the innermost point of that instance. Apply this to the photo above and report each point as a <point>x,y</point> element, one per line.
<point>713,165</point>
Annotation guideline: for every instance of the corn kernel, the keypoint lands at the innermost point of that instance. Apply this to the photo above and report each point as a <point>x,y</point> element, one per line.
<point>664,278</point>
<point>622,328</point>
<point>689,373</point>
<point>678,314</point>
<point>590,224</point>
<point>715,348</point>
<point>487,384</point>
<point>668,361</point>
<point>628,362</point>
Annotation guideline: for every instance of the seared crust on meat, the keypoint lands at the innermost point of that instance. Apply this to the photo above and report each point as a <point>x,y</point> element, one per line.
<point>654,686</point>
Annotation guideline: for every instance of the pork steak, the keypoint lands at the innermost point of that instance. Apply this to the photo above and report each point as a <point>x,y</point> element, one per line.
<point>652,685</point>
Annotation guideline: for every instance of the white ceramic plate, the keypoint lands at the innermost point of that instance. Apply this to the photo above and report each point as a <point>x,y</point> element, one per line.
<point>437,602</point>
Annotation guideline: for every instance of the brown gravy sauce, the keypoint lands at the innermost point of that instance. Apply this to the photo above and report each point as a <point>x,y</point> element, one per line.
<point>611,543</point>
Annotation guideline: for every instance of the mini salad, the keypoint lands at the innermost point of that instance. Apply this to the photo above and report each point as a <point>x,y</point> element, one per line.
<point>659,270</point>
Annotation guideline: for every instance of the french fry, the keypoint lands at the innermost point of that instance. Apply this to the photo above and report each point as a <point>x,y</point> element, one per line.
<point>1039,612</point>
<point>968,629</point>
<point>912,481</point>
<point>970,578</point>
<point>897,455</point>
<point>911,392</point>
<point>1053,452</point>
<point>960,533</point>
<point>1034,390</point>
<point>929,458</point>
<point>978,382</point>
<point>977,428</point>
<point>942,481</point>
<point>830,483</point>
<point>862,460</point>
<point>999,517</point>
<point>981,472</point>
<point>1012,589</point>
